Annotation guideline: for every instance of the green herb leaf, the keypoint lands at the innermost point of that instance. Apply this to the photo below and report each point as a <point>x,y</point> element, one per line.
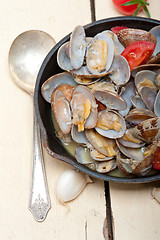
<point>141,3</point>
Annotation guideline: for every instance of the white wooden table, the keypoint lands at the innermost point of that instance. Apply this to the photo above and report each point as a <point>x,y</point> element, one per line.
<point>135,214</point>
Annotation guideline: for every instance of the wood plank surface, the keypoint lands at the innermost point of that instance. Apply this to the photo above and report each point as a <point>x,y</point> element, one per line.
<point>135,212</point>
<point>87,213</point>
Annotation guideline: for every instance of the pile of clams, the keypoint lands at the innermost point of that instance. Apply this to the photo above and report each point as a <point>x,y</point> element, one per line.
<point>111,111</point>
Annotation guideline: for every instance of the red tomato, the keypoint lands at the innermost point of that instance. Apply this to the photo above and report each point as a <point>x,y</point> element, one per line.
<point>138,53</point>
<point>117,29</point>
<point>126,10</point>
<point>156,161</point>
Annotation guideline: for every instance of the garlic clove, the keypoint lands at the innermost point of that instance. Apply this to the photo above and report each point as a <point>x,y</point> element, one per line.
<point>70,184</point>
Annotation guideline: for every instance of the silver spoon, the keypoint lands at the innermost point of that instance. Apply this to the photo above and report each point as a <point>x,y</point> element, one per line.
<point>26,55</point>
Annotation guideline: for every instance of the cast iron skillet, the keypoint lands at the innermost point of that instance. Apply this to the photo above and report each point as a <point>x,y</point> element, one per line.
<point>43,109</point>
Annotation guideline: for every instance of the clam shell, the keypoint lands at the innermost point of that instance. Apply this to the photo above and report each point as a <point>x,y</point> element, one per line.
<point>83,156</point>
<point>148,130</point>
<point>77,47</point>
<point>136,116</point>
<point>50,84</point>
<point>142,76</point>
<point>61,109</point>
<point>133,153</point>
<point>103,85</point>
<point>138,102</point>
<point>155,31</point>
<point>157,105</point>
<point>121,73</point>
<point>152,67</point>
<point>111,133</point>
<point>118,47</point>
<point>148,95</point>
<point>80,95</point>
<point>157,78</point>
<point>130,144</point>
<point>105,167</point>
<point>124,164</point>
<point>110,99</point>
<point>90,52</point>
<point>62,58</point>
<point>96,155</point>
<point>98,141</point>
<point>128,36</point>
<point>126,94</point>
<point>79,137</point>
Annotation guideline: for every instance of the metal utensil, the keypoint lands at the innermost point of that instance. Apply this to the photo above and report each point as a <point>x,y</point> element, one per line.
<point>26,55</point>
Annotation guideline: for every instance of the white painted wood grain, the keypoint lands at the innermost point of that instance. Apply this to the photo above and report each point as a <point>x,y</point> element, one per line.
<point>87,212</point>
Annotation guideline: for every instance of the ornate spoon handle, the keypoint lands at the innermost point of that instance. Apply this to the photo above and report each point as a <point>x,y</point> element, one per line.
<point>39,202</point>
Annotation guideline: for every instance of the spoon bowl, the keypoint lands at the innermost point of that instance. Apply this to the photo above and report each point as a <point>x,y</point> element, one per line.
<point>26,55</point>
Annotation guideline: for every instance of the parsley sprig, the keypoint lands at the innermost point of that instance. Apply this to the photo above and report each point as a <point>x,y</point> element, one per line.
<point>141,3</point>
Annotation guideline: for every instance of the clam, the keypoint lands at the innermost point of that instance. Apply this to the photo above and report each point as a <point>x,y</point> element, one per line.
<point>157,105</point>
<point>84,108</point>
<point>103,85</point>
<point>118,47</point>
<point>61,109</point>
<point>83,156</point>
<point>157,78</point>
<point>121,72</point>
<point>102,144</point>
<point>128,140</point>
<point>110,124</point>
<point>126,93</point>
<point>155,31</point>
<point>148,130</point>
<point>99,54</point>
<point>77,47</point>
<point>50,84</point>
<point>79,137</point>
<point>63,58</point>
<point>128,36</point>
<point>137,115</point>
<point>124,164</point>
<point>132,153</point>
<point>152,67</point>
<point>96,155</point>
<point>105,167</point>
<point>110,99</point>
<point>137,102</point>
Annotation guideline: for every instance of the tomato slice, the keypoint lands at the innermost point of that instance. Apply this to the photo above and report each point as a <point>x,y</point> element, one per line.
<point>117,29</point>
<point>138,53</point>
<point>156,161</point>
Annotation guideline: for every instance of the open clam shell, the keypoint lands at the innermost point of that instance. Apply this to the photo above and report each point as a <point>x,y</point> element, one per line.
<point>96,155</point>
<point>83,156</point>
<point>61,109</point>
<point>105,167</point>
<point>127,92</point>
<point>99,54</point>
<point>128,36</point>
<point>110,124</point>
<point>62,58</point>
<point>121,73</point>
<point>79,137</point>
<point>137,115</point>
<point>77,47</point>
<point>128,140</point>
<point>79,98</point>
<point>125,164</point>
<point>137,102</point>
<point>50,84</point>
<point>110,99</point>
<point>148,130</point>
<point>133,153</point>
<point>103,145</point>
<point>151,67</point>
<point>155,31</point>
<point>157,105</point>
